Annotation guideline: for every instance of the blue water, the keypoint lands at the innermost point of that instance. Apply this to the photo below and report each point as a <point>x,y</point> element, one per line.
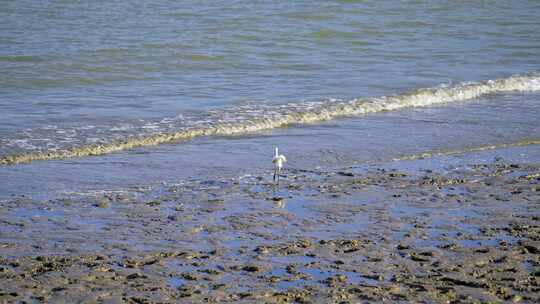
<point>76,73</point>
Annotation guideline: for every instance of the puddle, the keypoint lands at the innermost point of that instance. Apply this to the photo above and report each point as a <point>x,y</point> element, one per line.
<point>176,282</point>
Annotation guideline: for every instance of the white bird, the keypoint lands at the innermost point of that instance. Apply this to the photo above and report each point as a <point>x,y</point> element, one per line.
<point>278,161</point>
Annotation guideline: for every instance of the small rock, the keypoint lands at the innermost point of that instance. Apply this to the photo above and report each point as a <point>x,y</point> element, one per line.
<point>102,204</point>
<point>244,294</point>
<point>291,269</point>
<point>418,258</point>
<point>262,250</point>
<point>517,298</point>
<point>480,264</point>
<point>154,203</point>
<point>135,275</point>
<point>190,277</point>
<point>532,247</point>
<point>251,268</point>
<point>216,201</point>
<point>402,247</point>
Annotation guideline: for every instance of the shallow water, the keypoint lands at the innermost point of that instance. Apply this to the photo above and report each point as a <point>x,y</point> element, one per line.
<point>81,74</point>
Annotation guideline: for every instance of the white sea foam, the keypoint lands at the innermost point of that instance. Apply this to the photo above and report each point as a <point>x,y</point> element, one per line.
<point>253,118</point>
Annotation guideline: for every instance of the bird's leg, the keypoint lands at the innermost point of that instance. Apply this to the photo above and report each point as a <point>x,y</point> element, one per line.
<point>275,173</point>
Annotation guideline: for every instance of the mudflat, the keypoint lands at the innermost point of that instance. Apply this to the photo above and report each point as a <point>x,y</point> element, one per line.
<point>445,229</point>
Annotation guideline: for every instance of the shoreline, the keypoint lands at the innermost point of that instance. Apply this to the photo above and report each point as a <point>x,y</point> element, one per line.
<point>289,114</point>
<point>444,229</point>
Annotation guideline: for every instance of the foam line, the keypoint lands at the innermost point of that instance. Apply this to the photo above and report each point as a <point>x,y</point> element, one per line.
<point>281,116</point>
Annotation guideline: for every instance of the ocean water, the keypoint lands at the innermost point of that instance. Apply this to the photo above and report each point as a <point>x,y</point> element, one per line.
<point>111,94</point>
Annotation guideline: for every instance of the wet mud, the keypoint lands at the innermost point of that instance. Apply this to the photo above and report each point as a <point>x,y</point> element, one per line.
<point>467,233</point>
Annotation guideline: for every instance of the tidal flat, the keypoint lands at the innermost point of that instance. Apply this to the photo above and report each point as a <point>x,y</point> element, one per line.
<point>441,229</point>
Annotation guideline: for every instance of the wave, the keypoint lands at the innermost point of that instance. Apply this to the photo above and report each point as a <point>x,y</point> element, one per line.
<point>249,119</point>
<point>521,143</point>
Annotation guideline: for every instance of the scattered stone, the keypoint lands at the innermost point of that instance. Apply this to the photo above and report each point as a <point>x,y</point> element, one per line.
<point>135,275</point>
<point>251,268</point>
<point>154,203</point>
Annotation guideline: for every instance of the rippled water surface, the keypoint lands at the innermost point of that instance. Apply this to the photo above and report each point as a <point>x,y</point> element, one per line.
<point>76,74</point>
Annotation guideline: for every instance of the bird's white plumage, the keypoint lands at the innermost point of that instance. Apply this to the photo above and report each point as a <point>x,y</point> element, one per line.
<point>278,161</point>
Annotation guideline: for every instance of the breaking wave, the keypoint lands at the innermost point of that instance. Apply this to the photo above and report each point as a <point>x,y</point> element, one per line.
<point>253,118</point>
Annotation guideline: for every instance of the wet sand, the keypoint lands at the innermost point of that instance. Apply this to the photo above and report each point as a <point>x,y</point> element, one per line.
<point>444,229</point>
